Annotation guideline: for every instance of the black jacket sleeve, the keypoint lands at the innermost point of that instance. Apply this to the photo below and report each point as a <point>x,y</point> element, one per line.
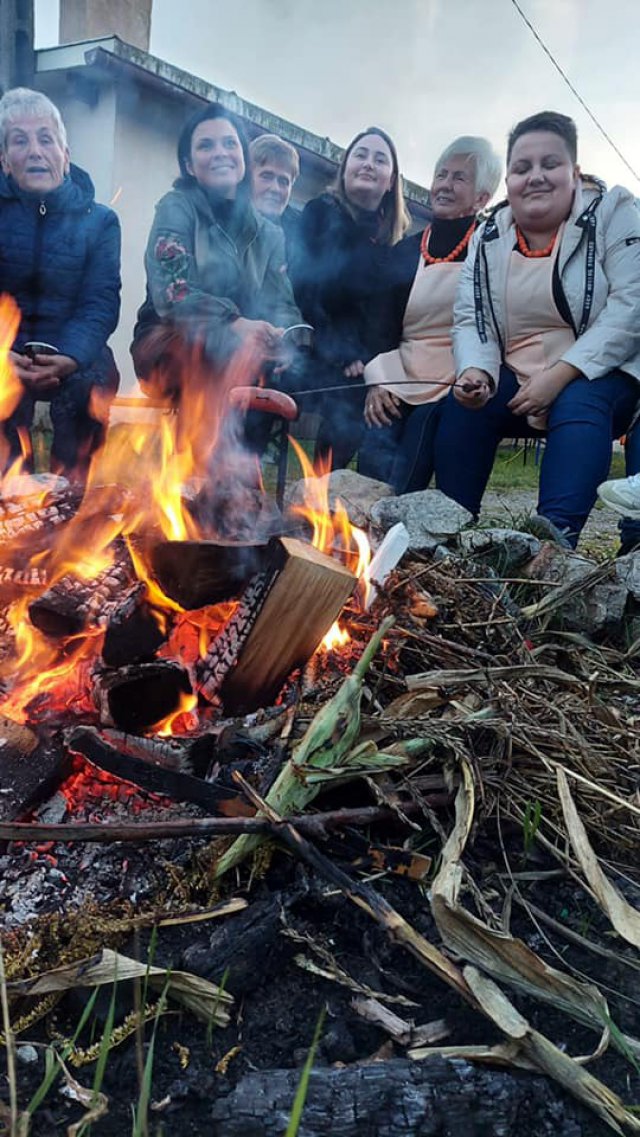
<point>397,269</point>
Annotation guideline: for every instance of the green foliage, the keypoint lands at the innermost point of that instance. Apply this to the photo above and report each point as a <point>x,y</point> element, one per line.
<point>141,1112</point>
<point>303,1084</point>
<point>52,1067</point>
<point>530,825</point>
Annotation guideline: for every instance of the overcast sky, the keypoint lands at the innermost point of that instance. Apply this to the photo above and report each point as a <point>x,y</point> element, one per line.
<point>426,70</point>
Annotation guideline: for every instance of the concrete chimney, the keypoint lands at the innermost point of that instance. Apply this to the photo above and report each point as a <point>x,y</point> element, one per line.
<point>16,44</point>
<point>92,19</point>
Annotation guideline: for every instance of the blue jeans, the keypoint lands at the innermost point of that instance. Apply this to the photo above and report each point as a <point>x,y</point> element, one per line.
<point>582,421</point>
<point>402,453</point>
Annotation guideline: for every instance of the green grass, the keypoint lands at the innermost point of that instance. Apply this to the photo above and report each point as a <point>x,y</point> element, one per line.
<point>514,471</point>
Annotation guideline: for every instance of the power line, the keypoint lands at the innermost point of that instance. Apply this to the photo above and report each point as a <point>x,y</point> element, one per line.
<point>573,89</point>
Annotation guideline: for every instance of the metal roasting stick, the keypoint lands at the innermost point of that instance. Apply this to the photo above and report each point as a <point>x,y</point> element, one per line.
<point>301,391</point>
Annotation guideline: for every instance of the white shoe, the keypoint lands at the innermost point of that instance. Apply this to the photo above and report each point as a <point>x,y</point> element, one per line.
<point>623,495</point>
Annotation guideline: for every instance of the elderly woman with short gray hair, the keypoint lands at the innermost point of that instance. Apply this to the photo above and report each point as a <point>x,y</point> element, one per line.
<point>61,263</point>
<point>414,370</point>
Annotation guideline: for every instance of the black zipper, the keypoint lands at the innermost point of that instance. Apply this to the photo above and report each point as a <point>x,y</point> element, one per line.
<point>490,301</point>
<point>35,288</point>
<point>37,256</point>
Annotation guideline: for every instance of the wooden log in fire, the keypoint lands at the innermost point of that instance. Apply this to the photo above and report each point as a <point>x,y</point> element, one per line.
<point>197,573</point>
<point>30,516</point>
<point>73,604</point>
<point>133,634</point>
<point>30,766</point>
<point>280,621</point>
<point>137,697</point>
<point>215,799</point>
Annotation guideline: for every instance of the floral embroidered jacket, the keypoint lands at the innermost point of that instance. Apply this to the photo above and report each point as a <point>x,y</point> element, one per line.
<point>203,274</point>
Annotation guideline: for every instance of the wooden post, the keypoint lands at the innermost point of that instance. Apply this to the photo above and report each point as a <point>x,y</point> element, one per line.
<point>280,621</point>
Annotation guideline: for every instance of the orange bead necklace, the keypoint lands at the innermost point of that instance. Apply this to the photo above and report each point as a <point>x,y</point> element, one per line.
<point>527,252</point>
<point>453,255</point>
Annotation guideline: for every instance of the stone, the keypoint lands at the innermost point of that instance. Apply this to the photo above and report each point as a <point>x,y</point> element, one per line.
<point>504,549</point>
<point>627,571</point>
<point>356,493</point>
<point>597,609</point>
<point>27,1054</point>
<point>430,517</point>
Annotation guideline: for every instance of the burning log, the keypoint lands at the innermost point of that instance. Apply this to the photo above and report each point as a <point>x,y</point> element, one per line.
<point>72,604</point>
<point>136,697</point>
<point>158,779</point>
<point>197,573</point>
<point>30,517</point>
<point>279,623</point>
<point>29,768</point>
<point>14,579</point>
<point>133,634</point>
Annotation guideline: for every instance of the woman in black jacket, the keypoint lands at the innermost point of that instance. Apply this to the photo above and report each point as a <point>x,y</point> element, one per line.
<point>343,237</point>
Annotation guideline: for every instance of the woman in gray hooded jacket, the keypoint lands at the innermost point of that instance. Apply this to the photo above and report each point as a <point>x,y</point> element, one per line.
<point>546,327</point>
<point>216,275</point>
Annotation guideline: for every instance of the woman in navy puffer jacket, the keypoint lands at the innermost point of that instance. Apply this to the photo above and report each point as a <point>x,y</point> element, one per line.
<point>60,261</point>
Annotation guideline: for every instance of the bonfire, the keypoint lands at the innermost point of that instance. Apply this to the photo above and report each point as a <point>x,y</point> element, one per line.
<point>201,692</point>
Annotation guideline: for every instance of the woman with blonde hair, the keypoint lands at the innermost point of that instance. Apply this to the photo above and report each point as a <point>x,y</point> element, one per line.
<point>344,236</point>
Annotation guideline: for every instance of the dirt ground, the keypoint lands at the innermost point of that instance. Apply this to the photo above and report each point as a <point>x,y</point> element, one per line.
<point>279,1000</point>
<point>599,538</point>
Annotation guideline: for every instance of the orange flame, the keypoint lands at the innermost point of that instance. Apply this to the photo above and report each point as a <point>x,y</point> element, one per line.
<point>332,531</point>
<point>11,388</point>
<point>335,638</point>
<point>136,496</point>
<point>180,721</point>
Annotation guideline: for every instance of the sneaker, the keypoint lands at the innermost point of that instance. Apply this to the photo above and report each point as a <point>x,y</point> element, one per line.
<point>623,495</point>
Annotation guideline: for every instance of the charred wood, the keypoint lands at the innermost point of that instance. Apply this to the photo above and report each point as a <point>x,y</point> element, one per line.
<point>157,779</point>
<point>15,579</point>
<point>133,634</point>
<point>136,697</point>
<point>197,573</point>
<point>28,517</point>
<point>249,948</point>
<point>30,767</point>
<point>72,604</point>
<point>398,1098</point>
<point>172,753</point>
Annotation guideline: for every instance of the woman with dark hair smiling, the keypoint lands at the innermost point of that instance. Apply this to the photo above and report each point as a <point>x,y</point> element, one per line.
<point>546,330</point>
<point>337,270</point>
<point>216,276</point>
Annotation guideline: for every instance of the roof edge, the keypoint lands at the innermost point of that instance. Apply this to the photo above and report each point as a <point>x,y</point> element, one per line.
<point>104,52</point>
